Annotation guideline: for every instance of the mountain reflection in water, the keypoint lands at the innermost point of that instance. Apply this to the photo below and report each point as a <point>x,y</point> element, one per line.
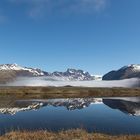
<point>128,105</point>
<point>104,115</point>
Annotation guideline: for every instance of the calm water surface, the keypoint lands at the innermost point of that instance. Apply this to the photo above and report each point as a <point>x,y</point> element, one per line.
<point>107,115</point>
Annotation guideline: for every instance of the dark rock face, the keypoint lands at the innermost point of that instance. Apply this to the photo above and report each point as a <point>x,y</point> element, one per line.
<point>131,71</point>
<point>110,76</point>
<point>73,74</point>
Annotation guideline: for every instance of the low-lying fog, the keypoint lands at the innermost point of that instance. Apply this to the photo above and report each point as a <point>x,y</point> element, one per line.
<point>46,81</point>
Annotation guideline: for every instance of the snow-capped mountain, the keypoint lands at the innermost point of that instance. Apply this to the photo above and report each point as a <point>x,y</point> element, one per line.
<point>10,72</point>
<point>15,67</point>
<point>73,74</point>
<point>126,72</point>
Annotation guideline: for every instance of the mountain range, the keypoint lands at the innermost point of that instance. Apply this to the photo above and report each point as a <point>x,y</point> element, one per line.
<point>10,72</point>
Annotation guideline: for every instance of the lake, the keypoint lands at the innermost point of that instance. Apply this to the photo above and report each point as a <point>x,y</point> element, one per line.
<point>106,115</point>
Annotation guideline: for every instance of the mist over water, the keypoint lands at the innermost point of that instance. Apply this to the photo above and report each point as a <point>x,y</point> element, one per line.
<point>47,81</point>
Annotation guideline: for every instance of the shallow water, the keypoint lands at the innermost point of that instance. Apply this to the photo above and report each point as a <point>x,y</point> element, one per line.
<point>106,115</point>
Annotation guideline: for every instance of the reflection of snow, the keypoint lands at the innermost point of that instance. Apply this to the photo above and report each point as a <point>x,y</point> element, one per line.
<point>14,110</point>
<point>128,105</point>
<point>69,103</point>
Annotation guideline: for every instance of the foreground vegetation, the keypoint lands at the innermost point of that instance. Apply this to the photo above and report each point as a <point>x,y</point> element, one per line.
<point>66,92</point>
<point>64,135</point>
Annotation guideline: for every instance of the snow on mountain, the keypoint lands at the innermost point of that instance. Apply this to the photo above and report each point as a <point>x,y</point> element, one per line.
<point>133,67</point>
<point>10,67</point>
<point>126,72</point>
<point>73,74</point>
<point>68,75</point>
<point>15,67</point>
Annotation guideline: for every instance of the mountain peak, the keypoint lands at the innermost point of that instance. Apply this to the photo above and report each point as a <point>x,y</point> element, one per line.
<point>10,67</point>
<point>134,67</point>
<point>14,64</point>
<point>16,67</point>
<point>73,74</point>
<point>126,72</point>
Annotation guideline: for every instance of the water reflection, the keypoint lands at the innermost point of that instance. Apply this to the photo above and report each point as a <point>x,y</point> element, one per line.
<point>128,105</point>
<point>105,115</point>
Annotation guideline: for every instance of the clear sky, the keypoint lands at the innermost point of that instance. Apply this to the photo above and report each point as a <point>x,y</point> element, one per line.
<point>93,35</point>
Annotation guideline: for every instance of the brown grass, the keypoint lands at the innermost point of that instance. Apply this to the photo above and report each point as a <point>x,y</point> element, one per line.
<point>66,92</point>
<point>64,135</point>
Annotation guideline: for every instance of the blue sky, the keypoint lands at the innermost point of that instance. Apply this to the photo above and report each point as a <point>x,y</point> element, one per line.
<point>93,35</point>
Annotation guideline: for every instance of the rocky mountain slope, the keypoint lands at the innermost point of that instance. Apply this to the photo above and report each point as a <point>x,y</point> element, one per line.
<point>10,72</point>
<point>126,72</point>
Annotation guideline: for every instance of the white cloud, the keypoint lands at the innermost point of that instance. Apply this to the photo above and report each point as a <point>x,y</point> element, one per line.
<point>38,8</point>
